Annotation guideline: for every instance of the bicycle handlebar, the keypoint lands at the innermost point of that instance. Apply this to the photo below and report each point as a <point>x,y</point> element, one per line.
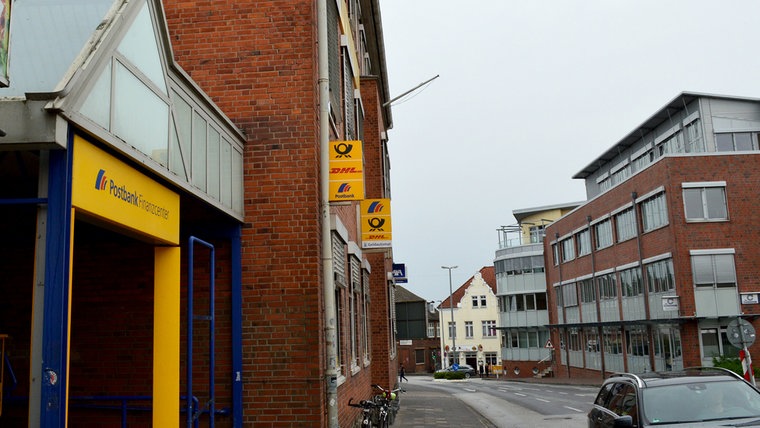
<point>363,404</point>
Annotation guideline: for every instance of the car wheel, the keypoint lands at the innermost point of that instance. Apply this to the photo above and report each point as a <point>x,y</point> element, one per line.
<point>466,375</point>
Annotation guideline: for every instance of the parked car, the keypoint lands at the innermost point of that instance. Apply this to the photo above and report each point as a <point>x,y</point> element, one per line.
<point>468,370</point>
<point>694,397</point>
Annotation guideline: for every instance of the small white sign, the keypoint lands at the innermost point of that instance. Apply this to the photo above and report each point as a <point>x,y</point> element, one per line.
<point>405,342</point>
<point>670,303</point>
<point>750,299</point>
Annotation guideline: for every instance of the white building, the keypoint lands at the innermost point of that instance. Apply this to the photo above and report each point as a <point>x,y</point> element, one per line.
<point>476,340</point>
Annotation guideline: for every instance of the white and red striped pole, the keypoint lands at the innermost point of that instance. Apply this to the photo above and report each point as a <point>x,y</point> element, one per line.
<point>746,360</point>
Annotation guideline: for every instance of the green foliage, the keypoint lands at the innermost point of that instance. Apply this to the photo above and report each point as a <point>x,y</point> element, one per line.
<point>449,375</point>
<point>733,364</point>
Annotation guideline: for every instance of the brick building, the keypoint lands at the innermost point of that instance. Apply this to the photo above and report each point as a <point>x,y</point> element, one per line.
<point>418,333</point>
<point>169,242</point>
<point>651,271</point>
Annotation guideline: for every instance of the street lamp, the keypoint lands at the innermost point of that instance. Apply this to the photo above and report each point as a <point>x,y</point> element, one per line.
<point>451,304</point>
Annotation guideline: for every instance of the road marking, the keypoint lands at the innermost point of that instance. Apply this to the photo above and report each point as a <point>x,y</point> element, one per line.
<point>573,408</point>
<point>565,393</point>
<point>541,399</point>
<point>470,390</point>
<point>521,395</point>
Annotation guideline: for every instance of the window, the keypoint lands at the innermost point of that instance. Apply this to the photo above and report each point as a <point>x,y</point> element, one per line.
<point>607,286</point>
<point>541,301</point>
<point>588,293</point>
<point>631,282</point>
<point>715,343</point>
<point>694,141</point>
<point>419,356</point>
<point>489,328</point>
<point>713,270</point>
<point>738,141</point>
<point>479,301</point>
<point>660,276</point>
<point>583,239</point>
<point>603,234</point>
<point>537,234</point>
<point>432,330</point>
<point>555,254</point>
<point>625,223</point>
<point>705,202</point>
<point>469,331</point>
<point>654,212</point>
<point>568,249</point>
<point>569,295</point>
<point>452,329</point>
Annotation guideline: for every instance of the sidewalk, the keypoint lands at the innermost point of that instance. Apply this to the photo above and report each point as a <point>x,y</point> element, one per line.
<point>424,405</point>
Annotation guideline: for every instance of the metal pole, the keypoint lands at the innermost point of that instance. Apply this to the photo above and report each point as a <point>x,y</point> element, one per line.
<point>451,305</point>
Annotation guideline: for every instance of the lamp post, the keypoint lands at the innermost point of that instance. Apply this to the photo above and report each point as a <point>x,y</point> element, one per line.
<point>451,308</point>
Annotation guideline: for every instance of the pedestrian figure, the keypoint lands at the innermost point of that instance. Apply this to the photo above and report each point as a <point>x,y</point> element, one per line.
<point>402,374</point>
<point>488,370</point>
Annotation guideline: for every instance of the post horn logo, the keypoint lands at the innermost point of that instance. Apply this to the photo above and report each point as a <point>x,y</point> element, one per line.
<point>343,150</point>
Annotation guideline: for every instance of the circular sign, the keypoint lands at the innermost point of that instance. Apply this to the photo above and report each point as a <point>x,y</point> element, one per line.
<point>740,333</point>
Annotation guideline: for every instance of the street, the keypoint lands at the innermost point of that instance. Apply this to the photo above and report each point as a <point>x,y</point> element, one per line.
<point>492,403</point>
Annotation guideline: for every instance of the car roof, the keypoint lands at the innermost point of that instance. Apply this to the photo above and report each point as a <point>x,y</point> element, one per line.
<point>678,377</point>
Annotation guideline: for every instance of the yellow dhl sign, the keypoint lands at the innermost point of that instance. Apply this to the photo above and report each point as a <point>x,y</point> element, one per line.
<point>376,223</point>
<point>346,171</point>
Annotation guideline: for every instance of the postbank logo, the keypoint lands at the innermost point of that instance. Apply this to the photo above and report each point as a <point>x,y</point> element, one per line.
<point>346,171</point>
<point>113,191</point>
<point>128,196</point>
<point>376,223</point>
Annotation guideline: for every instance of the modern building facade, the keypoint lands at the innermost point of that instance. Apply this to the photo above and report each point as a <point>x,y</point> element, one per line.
<point>472,337</point>
<point>418,332</point>
<point>171,246</point>
<point>651,272</point>
<point>526,349</point>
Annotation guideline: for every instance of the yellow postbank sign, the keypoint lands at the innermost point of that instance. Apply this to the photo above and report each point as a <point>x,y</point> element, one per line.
<point>346,171</point>
<point>376,223</point>
<point>113,191</point>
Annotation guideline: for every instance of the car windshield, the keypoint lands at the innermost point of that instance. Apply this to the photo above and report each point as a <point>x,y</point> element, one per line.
<point>705,401</point>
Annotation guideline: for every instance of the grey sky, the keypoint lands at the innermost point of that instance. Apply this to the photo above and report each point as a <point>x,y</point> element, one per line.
<point>529,93</point>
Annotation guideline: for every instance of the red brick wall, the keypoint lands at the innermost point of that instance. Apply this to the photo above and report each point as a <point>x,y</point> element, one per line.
<point>740,232</point>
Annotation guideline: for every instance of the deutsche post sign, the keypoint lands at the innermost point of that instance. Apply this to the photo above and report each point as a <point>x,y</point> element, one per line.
<point>346,171</point>
<point>376,223</point>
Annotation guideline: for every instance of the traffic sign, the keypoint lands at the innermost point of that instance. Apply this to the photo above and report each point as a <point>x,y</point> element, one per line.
<point>549,344</point>
<point>740,333</point>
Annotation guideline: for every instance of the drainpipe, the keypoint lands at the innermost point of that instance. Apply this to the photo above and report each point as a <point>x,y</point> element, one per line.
<point>328,284</point>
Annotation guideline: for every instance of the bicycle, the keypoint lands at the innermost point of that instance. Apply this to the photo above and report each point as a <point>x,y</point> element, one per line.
<point>389,405</point>
<point>368,410</point>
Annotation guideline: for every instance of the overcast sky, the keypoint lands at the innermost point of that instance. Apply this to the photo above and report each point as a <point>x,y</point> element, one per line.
<point>529,93</point>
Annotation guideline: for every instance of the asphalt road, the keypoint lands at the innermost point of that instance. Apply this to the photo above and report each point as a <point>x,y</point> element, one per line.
<point>478,403</point>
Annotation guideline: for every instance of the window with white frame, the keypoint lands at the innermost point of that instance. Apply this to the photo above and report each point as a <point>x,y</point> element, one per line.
<point>654,212</point>
<point>736,141</point>
<point>489,328</point>
<point>694,141</point>
<point>475,301</point>
<point>537,234</point>
<point>660,277</point>
<point>569,295</point>
<point>631,283</point>
<point>583,241</point>
<point>432,329</point>
<point>555,254</point>
<point>705,202</point>
<point>625,224</point>
<point>469,331</point>
<point>452,329</point>
<point>603,234</point>
<point>483,301</point>
<point>588,292</point>
<point>607,286</point>
<point>713,270</point>
<point>568,249</point>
